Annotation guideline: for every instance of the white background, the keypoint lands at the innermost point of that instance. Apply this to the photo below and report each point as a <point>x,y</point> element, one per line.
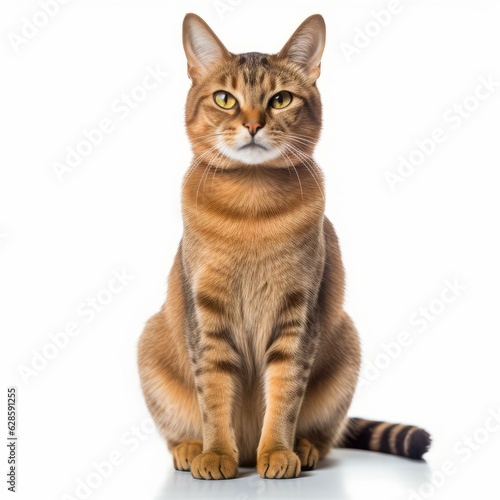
<point>120,210</point>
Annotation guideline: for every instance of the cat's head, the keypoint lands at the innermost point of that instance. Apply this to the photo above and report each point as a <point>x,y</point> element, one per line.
<point>253,109</point>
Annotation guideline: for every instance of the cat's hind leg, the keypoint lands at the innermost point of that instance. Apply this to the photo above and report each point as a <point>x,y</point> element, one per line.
<point>308,454</point>
<point>323,417</point>
<point>185,453</point>
<point>169,391</point>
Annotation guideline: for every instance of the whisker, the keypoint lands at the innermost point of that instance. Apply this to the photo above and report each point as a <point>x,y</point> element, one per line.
<point>199,183</point>
<point>299,154</point>
<point>206,172</point>
<point>301,142</point>
<point>308,162</point>
<point>300,183</point>
<point>305,140</point>
<point>203,137</point>
<point>295,170</point>
<point>224,149</point>
<point>197,161</point>
<point>212,161</point>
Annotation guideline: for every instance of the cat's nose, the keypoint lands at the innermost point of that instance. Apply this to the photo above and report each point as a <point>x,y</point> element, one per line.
<point>253,127</point>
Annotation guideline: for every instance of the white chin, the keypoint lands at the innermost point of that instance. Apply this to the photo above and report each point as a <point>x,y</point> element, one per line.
<point>252,155</point>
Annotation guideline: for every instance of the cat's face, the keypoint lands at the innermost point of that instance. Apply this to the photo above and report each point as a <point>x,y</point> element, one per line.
<point>253,109</point>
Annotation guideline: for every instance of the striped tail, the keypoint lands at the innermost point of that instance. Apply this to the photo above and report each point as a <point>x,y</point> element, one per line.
<point>397,439</point>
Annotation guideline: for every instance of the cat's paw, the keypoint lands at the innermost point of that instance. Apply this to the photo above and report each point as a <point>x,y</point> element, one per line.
<point>278,464</point>
<point>185,453</point>
<point>308,454</point>
<point>211,465</point>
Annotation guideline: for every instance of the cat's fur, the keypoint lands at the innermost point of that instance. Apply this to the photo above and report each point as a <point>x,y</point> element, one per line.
<point>252,359</point>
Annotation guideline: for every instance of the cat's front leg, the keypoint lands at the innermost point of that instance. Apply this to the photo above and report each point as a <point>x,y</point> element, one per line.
<point>216,367</point>
<point>286,377</point>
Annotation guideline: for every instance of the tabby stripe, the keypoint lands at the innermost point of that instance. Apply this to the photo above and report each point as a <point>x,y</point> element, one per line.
<point>211,303</point>
<point>277,356</point>
<point>291,415</point>
<point>299,392</point>
<point>223,335</point>
<point>399,429</point>
<point>252,77</point>
<point>384,446</point>
<point>217,367</point>
<point>192,118</point>
<point>397,439</point>
<point>226,367</point>
<point>279,333</point>
<point>310,110</point>
<point>294,300</point>
<point>223,80</point>
<point>293,323</point>
<point>217,334</point>
<point>288,333</point>
<point>285,328</point>
<point>400,441</point>
<point>377,435</point>
<point>306,365</point>
<point>362,433</point>
<point>407,441</point>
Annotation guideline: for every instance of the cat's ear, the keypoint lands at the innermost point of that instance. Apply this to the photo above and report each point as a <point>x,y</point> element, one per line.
<point>201,45</point>
<point>306,46</point>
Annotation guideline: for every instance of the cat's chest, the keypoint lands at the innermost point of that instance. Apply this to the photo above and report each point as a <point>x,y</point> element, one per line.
<point>255,304</point>
<point>251,268</point>
<point>256,293</point>
<point>257,290</point>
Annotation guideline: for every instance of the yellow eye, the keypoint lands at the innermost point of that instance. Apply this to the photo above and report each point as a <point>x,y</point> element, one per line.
<point>281,100</point>
<point>225,99</point>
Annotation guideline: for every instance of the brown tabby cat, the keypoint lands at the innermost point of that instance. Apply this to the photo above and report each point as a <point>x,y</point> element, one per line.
<point>252,359</point>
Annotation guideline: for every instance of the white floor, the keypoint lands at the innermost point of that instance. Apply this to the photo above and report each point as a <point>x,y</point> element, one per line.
<point>343,475</point>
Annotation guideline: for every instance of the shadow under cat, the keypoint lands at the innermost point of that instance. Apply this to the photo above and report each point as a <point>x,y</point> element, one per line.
<point>342,475</point>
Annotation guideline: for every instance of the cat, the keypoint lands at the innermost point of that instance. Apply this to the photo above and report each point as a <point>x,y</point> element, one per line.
<point>252,360</point>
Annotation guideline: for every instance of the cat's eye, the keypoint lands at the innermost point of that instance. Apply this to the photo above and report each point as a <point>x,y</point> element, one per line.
<point>225,100</point>
<point>281,100</point>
